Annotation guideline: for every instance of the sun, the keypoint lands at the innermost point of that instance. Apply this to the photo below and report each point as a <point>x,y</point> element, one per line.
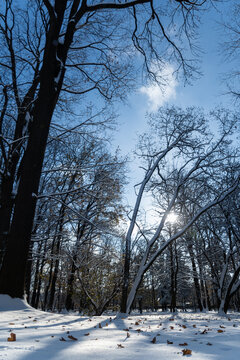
<point>172,218</point>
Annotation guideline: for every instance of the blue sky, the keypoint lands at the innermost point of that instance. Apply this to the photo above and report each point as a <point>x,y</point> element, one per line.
<point>207,91</point>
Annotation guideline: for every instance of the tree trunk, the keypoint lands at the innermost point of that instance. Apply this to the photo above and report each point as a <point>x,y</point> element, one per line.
<point>13,271</point>
<point>55,273</point>
<point>123,307</point>
<point>195,278</point>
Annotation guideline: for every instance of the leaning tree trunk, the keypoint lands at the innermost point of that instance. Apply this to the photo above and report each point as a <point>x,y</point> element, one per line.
<point>13,158</point>
<point>13,269</point>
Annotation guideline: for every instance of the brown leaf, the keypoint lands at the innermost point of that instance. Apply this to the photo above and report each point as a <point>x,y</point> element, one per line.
<point>154,340</point>
<point>120,346</point>
<point>187,352</point>
<point>171,327</point>
<point>139,330</point>
<point>100,326</point>
<point>184,344</point>
<point>137,323</point>
<point>62,339</point>
<point>172,319</point>
<point>220,331</point>
<point>87,334</point>
<point>12,337</point>
<point>204,332</point>
<point>128,335</point>
<point>194,326</point>
<point>72,337</point>
<point>184,326</point>
<point>222,327</point>
<point>209,344</point>
<point>169,342</point>
<point>126,329</point>
<point>11,323</point>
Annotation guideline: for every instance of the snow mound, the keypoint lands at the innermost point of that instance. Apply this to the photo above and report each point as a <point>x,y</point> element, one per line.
<point>9,303</point>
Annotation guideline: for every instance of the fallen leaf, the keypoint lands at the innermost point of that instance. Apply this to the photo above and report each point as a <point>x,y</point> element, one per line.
<point>12,337</point>
<point>187,352</point>
<point>62,339</point>
<point>222,327</point>
<point>184,326</point>
<point>209,344</point>
<point>86,334</point>
<point>128,335</point>
<point>72,337</point>
<point>184,344</point>
<point>220,331</point>
<point>126,329</point>
<point>137,323</point>
<point>204,332</point>
<point>120,346</point>
<point>171,327</point>
<point>194,326</point>
<point>169,342</point>
<point>100,326</point>
<point>139,330</point>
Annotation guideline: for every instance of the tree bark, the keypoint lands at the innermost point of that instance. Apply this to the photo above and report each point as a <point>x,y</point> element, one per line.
<point>13,271</point>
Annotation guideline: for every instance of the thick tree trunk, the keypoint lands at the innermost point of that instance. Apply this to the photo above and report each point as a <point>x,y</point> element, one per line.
<point>13,269</point>
<point>12,275</point>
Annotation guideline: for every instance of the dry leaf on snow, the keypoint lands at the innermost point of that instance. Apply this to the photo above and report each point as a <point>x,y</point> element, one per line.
<point>72,337</point>
<point>12,337</point>
<point>187,352</point>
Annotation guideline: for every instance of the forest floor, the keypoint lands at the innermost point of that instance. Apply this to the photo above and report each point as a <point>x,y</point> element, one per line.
<point>156,336</point>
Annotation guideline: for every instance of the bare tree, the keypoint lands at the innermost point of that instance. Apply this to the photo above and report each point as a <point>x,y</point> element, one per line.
<point>232,51</point>
<point>68,48</point>
<point>181,137</point>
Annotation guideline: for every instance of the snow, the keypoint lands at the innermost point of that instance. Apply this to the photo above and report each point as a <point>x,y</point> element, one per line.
<point>208,335</point>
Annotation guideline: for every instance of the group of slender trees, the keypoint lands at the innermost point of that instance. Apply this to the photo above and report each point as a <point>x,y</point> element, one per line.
<point>66,238</point>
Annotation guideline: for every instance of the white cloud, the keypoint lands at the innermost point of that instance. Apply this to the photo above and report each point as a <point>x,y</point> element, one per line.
<point>157,95</point>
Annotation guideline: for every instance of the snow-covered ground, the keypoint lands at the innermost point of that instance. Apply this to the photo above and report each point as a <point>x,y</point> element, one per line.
<point>157,336</point>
